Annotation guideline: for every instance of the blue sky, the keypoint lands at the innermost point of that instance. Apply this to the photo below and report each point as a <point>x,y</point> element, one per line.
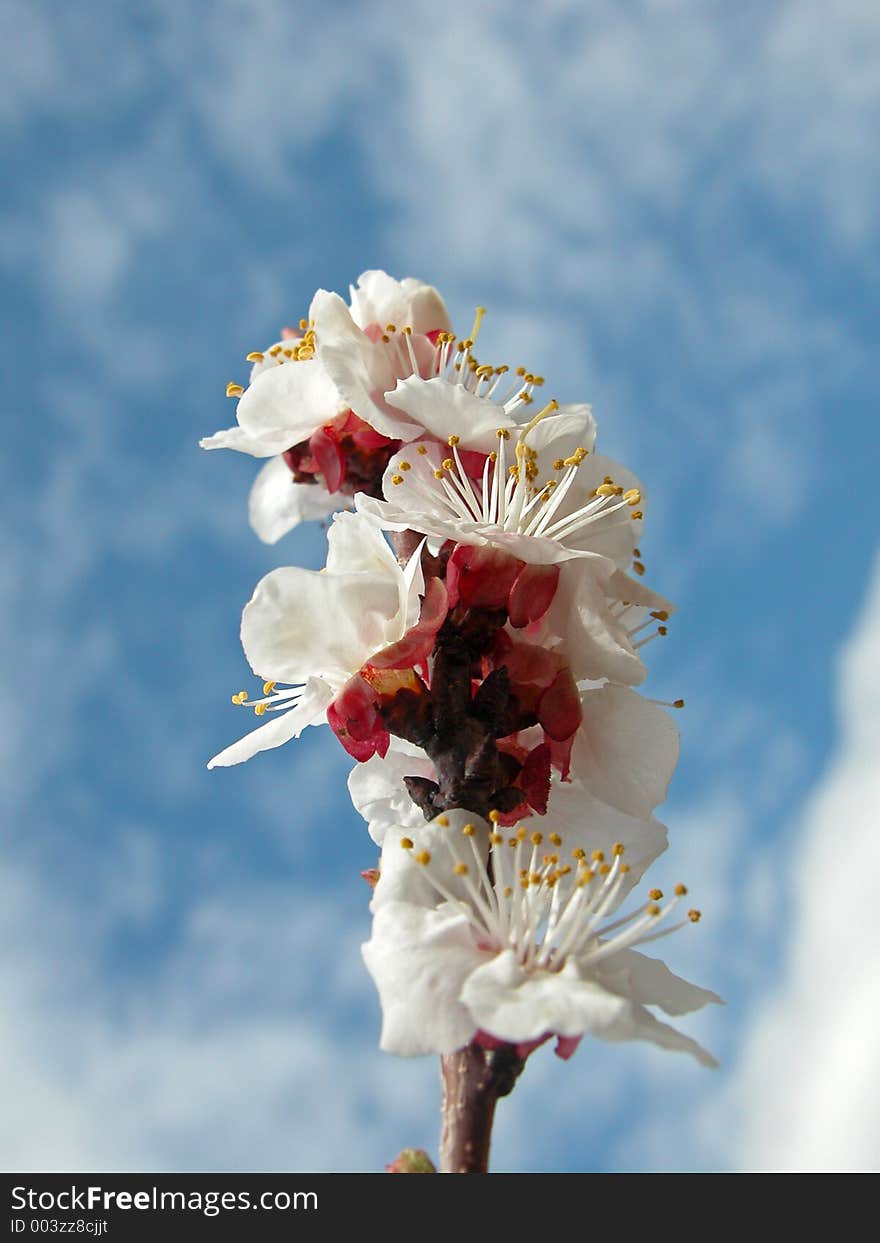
<point>669,210</point>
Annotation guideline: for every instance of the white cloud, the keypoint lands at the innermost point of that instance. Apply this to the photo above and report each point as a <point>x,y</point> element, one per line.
<point>809,1080</point>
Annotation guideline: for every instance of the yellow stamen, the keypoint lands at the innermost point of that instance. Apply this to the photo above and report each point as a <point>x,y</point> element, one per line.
<point>233,389</point>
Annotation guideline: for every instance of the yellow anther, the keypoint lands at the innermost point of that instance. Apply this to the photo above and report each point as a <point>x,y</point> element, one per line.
<point>678,703</point>
<point>448,463</point>
<point>639,568</point>
<point>396,479</point>
<point>502,370</point>
<point>423,449</point>
<point>535,878</point>
<point>663,630</point>
<point>578,853</point>
<point>632,497</point>
<point>520,371</point>
<point>660,614</point>
<point>655,895</point>
<point>618,849</point>
<point>556,839</point>
<point>654,909</point>
<point>406,843</point>
<point>438,474</point>
<point>406,330</point>
<point>513,470</point>
<point>303,325</point>
<point>290,353</point>
<point>636,515</point>
<point>598,856</point>
<point>255,357</point>
<point>538,380</point>
<point>536,839</point>
<point>453,441</point>
<point>233,389</point>
<point>268,688</point>
<point>680,890</point>
<point>694,916</point>
<point>443,821</point>
<point>275,351</point>
<point>624,867</point>
<point>404,466</point>
<point>423,857</point>
<point>497,839</point>
<point>559,464</point>
<point>468,829</point>
<point>259,709</point>
<point>637,552</point>
<point>521,833</point>
<point>385,338</point>
<point>461,869</point>
<point>605,489</point>
<point>604,869</point>
<point>236,699</point>
<point>512,842</point>
<point>565,869</point>
<point>508,892</point>
<point>494,816</point>
<point>503,433</point>
<point>391,327</point>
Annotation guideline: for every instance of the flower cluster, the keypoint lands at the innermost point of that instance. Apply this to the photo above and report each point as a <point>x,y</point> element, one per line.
<point>472,642</point>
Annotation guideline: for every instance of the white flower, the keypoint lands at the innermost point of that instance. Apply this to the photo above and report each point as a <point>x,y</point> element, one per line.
<point>541,495</point>
<point>316,398</point>
<point>510,936</point>
<point>308,632</point>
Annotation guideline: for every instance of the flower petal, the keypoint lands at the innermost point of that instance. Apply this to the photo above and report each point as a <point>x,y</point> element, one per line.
<point>445,409</point>
<point>418,959</point>
<point>626,749</point>
<point>277,504</point>
<point>377,790</point>
<point>289,402</point>
<point>280,728</point>
<point>300,623</point>
<point>513,1004</point>
<point>379,299</point>
<point>361,369</point>
<point>650,982</point>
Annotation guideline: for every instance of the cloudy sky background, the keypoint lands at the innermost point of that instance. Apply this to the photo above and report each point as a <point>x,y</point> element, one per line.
<point>669,208</point>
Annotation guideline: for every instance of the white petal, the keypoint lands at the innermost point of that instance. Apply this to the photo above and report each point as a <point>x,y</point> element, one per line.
<point>360,368</point>
<point>356,545</point>
<point>650,982</point>
<point>512,1004</point>
<point>445,409</point>
<point>287,403</point>
<point>558,435</point>
<point>626,749</point>
<point>300,623</point>
<point>419,960</point>
<point>637,1023</point>
<point>245,442</point>
<point>277,504</point>
<point>379,299</point>
<point>596,643</point>
<point>280,728</point>
<point>377,790</point>
<point>587,823</point>
<point>401,879</point>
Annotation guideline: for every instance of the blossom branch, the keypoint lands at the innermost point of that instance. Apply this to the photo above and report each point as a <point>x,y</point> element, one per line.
<point>474,1079</point>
